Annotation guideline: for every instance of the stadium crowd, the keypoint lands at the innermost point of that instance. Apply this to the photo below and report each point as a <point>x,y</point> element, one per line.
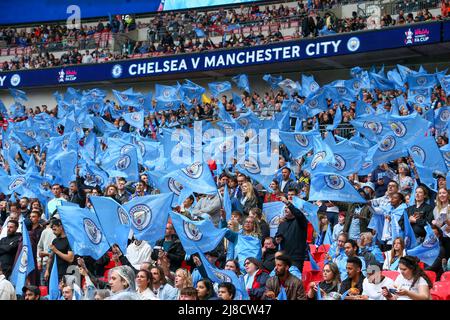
<point>189,31</point>
<point>340,253</point>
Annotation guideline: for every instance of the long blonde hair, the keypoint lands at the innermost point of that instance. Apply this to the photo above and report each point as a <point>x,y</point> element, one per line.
<point>400,254</point>
<point>250,195</point>
<point>186,275</point>
<point>439,204</point>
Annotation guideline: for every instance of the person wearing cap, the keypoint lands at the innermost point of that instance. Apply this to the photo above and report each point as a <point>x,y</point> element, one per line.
<point>122,283</point>
<point>373,284</point>
<point>31,293</point>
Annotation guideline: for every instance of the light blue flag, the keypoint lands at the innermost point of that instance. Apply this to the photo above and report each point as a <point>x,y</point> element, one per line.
<point>199,32</point>
<point>409,236</point>
<point>289,86</point>
<point>348,159</point>
<point>83,231</point>
<point>298,143</point>
<point>396,78</point>
<point>252,169</point>
<point>314,265</point>
<point>53,287</point>
<point>421,81</point>
<point>412,197</point>
<point>196,235</point>
<point>333,187</point>
<point>129,98</point>
<point>427,159</point>
<point>243,247</point>
<point>24,263</point>
<point>242,82</point>
<point>3,109</point>
<point>273,212</point>
<point>227,203</point>
<point>11,184</point>
<point>120,160</point>
<point>223,114</point>
<point>309,210</point>
<point>441,118</point>
<point>237,101</point>
<point>336,121</point>
<point>217,88</point>
<point>328,236</point>
<point>18,94</point>
<point>167,97</point>
<point>218,276</point>
<point>420,97</point>
<point>380,82</point>
<point>376,223</point>
<point>248,120</point>
<point>445,151</point>
<point>309,85</point>
<point>113,220</point>
<point>445,82</point>
<point>63,167</point>
<point>272,81</point>
<point>363,109</point>
<point>135,119</point>
<point>315,104</point>
<point>282,295</point>
<point>405,72</point>
<point>192,90</point>
<point>322,157</point>
<point>149,215</point>
<point>428,250</point>
<point>196,176</point>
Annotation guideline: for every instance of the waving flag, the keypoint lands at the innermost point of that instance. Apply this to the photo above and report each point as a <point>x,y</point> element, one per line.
<point>149,215</point>
<point>336,121</point>
<point>441,118</point>
<point>315,104</point>
<point>396,78</point>
<point>323,155</point>
<point>53,288</point>
<point>217,88</point>
<point>309,210</point>
<point>363,109</point>
<point>314,265</point>
<point>405,72</point>
<point>24,263</point>
<point>380,82</point>
<point>196,176</point>
<point>289,86</point>
<point>421,81</point>
<point>219,276</point>
<point>347,158</point>
<point>420,97</point>
<point>428,250</point>
<point>282,296</point>
<point>18,94</point>
<point>113,220</point>
<point>427,159</point>
<point>298,143</point>
<point>120,160</point>
<point>328,236</point>
<point>272,80</point>
<point>241,81</point>
<point>409,236</point>
<point>309,85</point>
<point>83,231</point>
<point>333,187</point>
<point>167,97</point>
<point>196,235</point>
<point>135,119</point>
<point>227,203</point>
<point>129,98</point>
<point>445,83</point>
<point>192,90</point>
<point>273,212</point>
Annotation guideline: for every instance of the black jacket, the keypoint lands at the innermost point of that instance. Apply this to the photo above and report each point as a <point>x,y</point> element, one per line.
<point>8,251</point>
<point>293,233</point>
<point>425,212</point>
<point>175,253</point>
<point>79,197</point>
<point>268,259</point>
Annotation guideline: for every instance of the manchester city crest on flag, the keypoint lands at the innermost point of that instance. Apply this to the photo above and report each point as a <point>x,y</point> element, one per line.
<point>342,91</point>
<point>93,180</point>
<point>376,127</point>
<point>141,216</point>
<point>31,133</point>
<point>429,242</point>
<point>123,163</point>
<point>318,157</point>
<point>339,162</point>
<point>126,149</point>
<point>313,87</point>
<point>398,128</point>
<point>174,186</point>
<point>334,181</point>
<point>92,231</point>
<point>244,122</point>
<point>419,152</point>
<point>274,222</point>
<point>421,81</point>
<point>17,182</point>
<point>124,97</point>
<point>166,93</point>
<point>193,171</point>
<point>387,144</point>
<point>192,231</point>
<point>222,277</point>
<point>313,104</point>
<point>24,260</point>
<point>445,115</point>
<point>252,166</point>
<point>136,116</point>
<point>420,98</point>
<point>302,140</point>
<point>123,216</point>
<point>6,145</point>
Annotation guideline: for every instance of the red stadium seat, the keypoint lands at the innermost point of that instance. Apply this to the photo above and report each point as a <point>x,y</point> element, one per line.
<point>294,24</point>
<point>310,276</point>
<point>44,291</point>
<point>435,296</point>
<point>442,289</point>
<point>445,277</point>
<point>390,274</point>
<point>431,275</point>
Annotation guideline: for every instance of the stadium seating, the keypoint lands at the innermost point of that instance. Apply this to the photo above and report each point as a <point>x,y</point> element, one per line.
<point>390,274</point>
<point>445,277</point>
<point>44,290</point>
<point>441,289</point>
<point>431,275</point>
<point>310,276</point>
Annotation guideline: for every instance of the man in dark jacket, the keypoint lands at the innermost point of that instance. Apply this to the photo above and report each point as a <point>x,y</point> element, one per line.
<point>268,253</point>
<point>286,182</point>
<point>76,191</point>
<point>9,246</point>
<point>171,247</point>
<point>291,234</point>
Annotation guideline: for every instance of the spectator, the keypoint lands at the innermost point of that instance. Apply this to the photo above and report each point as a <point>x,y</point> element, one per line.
<point>374,283</point>
<point>169,247</point>
<point>8,247</point>
<point>255,278</point>
<point>122,282</point>
<point>292,285</point>
<point>143,285</point>
<point>330,283</point>
<point>353,284</point>
<point>227,291</point>
<point>205,290</point>
<point>420,213</point>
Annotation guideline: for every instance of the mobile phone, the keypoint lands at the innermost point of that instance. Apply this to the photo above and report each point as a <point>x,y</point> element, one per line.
<point>393,291</point>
